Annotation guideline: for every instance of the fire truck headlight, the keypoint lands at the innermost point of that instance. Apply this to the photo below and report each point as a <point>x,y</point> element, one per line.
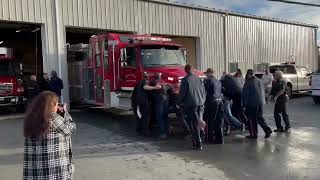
<point>13,100</point>
<point>19,90</point>
<point>170,78</point>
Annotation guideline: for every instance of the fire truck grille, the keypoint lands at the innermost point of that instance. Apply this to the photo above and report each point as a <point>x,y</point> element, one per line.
<point>6,88</point>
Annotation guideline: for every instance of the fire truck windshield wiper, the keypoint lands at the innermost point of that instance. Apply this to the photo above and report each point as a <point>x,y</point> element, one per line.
<point>176,64</point>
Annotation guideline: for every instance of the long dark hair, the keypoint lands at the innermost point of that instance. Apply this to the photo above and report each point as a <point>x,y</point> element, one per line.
<point>37,120</point>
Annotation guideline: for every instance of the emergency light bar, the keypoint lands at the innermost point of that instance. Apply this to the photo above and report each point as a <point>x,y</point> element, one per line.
<point>153,39</point>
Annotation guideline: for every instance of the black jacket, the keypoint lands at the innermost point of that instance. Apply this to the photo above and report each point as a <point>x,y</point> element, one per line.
<point>231,87</point>
<point>253,93</point>
<point>44,85</point>
<point>277,87</point>
<point>160,94</point>
<point>140,95</point>
<point>31,89</point>
<point>56,85</point>
<point>213,89</point>
<point>192,92</point>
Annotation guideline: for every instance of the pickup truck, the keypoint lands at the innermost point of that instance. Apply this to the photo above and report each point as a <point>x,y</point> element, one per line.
<point>297,77</point>
<point>315,87</point>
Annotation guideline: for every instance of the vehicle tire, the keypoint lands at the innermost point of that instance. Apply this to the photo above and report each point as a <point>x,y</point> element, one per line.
<point>138,119</point>
<point>289,90</point>
<point>316,99</point>
<point>20,108</point>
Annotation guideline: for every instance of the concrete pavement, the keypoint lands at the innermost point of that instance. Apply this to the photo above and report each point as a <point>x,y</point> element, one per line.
<point>106,147</point>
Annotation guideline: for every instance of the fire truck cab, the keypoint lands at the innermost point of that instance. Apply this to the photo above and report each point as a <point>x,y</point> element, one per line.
<point>117,63</point>
<point>11,89</point>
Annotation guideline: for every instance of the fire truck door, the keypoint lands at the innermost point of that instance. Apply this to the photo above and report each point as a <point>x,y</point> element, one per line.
<point>129,71</point>
<point>99,72</point>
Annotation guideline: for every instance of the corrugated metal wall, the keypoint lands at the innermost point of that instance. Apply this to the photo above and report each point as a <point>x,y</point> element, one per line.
<point>247,40</point>
<point>256,41</point>
<point>154,18</point>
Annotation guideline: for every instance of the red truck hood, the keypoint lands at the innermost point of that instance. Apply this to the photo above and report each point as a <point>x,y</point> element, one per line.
<point>176,72</point>
<point>6,79</point>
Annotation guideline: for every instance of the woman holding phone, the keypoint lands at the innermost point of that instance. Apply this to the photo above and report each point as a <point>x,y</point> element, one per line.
<point>47,149</point>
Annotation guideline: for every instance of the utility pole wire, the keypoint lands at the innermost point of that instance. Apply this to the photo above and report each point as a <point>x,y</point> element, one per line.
<point>295,2</point>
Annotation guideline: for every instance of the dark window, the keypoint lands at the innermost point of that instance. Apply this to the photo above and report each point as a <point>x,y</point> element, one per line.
<point>98,57</point>
<point>105,54</point>
<point>286,69</point>
<point>6,68</point>
<point>131,57</point>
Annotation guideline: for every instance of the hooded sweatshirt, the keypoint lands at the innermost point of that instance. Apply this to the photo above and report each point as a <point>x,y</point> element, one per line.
<point>253,93</point>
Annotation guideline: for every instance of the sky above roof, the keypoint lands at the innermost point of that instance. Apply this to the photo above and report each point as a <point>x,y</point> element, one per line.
<point>299,13</point>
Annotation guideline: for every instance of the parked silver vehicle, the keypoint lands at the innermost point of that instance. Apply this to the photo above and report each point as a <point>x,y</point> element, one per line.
<point>298,78</point>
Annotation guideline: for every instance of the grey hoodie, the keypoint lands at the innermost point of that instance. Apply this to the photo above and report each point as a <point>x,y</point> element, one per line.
<point>253,93</point>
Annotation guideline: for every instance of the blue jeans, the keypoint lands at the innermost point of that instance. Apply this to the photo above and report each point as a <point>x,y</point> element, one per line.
<point>161,108</point>
<point>227,112</point>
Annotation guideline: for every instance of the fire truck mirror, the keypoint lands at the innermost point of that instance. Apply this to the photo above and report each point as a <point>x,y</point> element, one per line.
<point>20,81</point>
<point>124,55</point>
<point>184,52</point>
<point>20,66</point>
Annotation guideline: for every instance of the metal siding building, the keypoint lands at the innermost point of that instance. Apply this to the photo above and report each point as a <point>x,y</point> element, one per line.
<point>221,37</point>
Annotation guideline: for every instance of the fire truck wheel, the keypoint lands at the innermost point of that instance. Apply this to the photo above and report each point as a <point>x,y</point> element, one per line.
<point>20,108</point>
<point>316,100</point>
<point>139,123</point>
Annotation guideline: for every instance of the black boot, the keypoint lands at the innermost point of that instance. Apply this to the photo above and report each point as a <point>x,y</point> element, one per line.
<point>197,138</point>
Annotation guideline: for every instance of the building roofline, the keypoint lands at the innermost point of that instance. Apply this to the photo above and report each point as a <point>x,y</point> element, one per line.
<point>198,7</point>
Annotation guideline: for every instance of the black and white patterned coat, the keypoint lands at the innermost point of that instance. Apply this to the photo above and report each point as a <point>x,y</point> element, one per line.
<point>50,158</point>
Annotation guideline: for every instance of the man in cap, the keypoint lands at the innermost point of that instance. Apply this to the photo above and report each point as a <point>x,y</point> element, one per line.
<point>192,98</point>
<point>214,108</point>
<point>160,103</point>
<point>252,101</point>
<point>31,88</point>
<point>281,98</point>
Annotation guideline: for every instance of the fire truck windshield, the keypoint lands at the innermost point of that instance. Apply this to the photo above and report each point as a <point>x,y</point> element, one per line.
<point>6,68</point>
<point>157,56</point>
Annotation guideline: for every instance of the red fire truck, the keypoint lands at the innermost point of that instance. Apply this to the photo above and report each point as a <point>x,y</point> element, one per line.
<point>11,89</point>
<point>116,63</point>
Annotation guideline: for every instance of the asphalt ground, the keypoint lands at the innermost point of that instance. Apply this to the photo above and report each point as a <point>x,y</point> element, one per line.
<point>106,147</point>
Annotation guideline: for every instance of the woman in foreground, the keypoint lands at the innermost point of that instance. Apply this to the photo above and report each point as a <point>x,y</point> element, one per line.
<point>47,148</point>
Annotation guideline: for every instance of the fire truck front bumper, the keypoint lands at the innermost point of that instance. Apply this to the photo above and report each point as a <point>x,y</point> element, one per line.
<point>11,100</point>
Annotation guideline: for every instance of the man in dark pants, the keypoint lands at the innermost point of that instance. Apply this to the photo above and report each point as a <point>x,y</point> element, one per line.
<point>192,98</point>
<point>160,103</point>
<point>55,84</point>
<point>44,82</point>
<point>143,109</point>
<point>232,89</point>
<point>32,89</point>
<point>214,108</point>
<point>281,99</point>
<point>253,99</point>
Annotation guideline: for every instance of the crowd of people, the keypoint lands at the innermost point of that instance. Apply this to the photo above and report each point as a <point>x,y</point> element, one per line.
<point>33,87</point>
<point>207,106</point>
<point>212,107</point>
<point>47,130</point>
